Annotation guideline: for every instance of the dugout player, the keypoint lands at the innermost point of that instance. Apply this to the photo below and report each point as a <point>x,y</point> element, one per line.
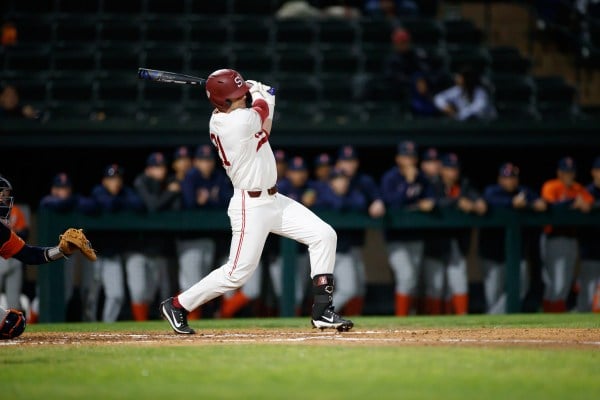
<point>589,271</point>
<point>558,246</point>
<point>506,193</point>
<point>241,135</point>
<point>12,322</point>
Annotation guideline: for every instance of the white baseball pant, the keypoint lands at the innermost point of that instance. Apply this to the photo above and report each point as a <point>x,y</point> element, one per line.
<point>11,279</point>
<point>559,255</point>
<point>494,284</point>
<point>301,272</point>
<point>252,219</point>
<point>405,259</point>
<point>346,278</point>
<point>195,258</point>
<point>589,279</point>
<point>145,275</point>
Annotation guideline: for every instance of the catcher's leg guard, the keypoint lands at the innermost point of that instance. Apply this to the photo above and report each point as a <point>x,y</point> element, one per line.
<point>12,325</point>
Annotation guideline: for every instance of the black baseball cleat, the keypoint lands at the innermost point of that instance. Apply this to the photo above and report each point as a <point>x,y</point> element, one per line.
<point>332,320</point>
<point>177,317</point>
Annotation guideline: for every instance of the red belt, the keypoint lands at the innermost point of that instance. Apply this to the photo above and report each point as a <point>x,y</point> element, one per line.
<point>257,193</point>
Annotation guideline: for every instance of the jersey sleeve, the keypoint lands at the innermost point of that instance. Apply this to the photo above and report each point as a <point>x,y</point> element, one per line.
<point>10,244</point>
<point>262,108</point>
<point>549,192</point>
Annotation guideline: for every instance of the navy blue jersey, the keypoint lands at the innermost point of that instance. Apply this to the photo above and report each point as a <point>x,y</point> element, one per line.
<point>492,240</point>
<point>353,200</point>
<point>285,187</point>
<point>496,196</point>
<point>397,192</point>
<point>74,202</point>
<point>367,186</point>
<point>217,184</point>
<point>126,200</point>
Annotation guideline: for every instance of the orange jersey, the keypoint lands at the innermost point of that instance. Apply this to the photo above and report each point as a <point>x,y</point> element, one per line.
<point>554,191</point>
<point>10,243</point>
<point>17,220</point>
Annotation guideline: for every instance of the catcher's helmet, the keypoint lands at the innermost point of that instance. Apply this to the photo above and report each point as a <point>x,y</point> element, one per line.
<point>225,85</point>
<point>6,198</point>
<point>12,324</point>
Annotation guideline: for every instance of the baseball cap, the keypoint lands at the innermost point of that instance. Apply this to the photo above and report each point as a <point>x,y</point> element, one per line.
<point>323,159</point>
<point>400,35</point>
<point>61,180</point>
<point>431,154</point>
<point>297,164</point>
<point>280,156</point>
<point>204,152</point>
<point>596,163</point>
<point>181,152</point>
<point>450,160</point>
<point>508,170</point>
<point>155,160</point>
<point>113,170</point>
<point>347,153</point>
<point>566,164</point>
<point>407,148</point>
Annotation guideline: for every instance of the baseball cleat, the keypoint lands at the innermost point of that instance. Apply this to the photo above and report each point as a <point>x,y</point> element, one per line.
<point>177,317</point>
<point>332,320</point>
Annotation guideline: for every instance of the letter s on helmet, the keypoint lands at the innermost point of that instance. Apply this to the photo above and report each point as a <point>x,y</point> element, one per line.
<point>223,86</point>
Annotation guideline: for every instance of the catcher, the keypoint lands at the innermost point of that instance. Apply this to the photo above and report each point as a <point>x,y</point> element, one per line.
<point>12,323</point>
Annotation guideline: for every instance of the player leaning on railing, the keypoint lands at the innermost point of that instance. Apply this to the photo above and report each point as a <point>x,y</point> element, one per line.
<point>12,322</point>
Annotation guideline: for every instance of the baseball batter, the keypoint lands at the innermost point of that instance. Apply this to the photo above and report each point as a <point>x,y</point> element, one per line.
<point>241,137</point>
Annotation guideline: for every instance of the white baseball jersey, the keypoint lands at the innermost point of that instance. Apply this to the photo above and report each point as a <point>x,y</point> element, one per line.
<point>244,149</point>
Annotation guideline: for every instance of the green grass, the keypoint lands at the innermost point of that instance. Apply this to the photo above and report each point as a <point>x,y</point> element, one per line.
<point>291,371</point>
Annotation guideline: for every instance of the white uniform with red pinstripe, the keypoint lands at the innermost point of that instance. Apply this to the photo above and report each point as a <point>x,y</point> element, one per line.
<point>243,146</point>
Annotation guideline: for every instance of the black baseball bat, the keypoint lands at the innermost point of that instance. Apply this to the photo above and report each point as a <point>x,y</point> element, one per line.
<point>169,77</point>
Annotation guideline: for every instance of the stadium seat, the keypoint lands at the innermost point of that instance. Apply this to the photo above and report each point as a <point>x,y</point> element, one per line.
<point>32,90</point>
<point>424,32</point>
<point>293,61</point>
<point>111,90</point>
<point>337,33</point>
<point>254,7</point>
<point>375,57</point>
<point>27,61</point>
<point>119,62</point>
<point>159,32</point>
<point>117,31</point>
<point>253,62</point>
<point>298,33</point>
<point>250,31</point>
<point>165,58</point>
<point>163,7</point>
<point>69,111</point>
<point>335,88</point>
<point>81,59</point>
<point>117,111</point>
<point>153,92</point>
<point>375,31</point>
<point>555,97</point>
<point>462,32</point>
<point>508,60</point>
<point>21,7</point>
<point>123,7</point>
<point>339,61</point>
<point>203,62</point>
<point>299,88</point>
<point>71,91</point>
<point>208,32</point>
<point>34,30</point>
<point>203,7</point>
<point>476,58</point>
<point>78,7</point>
<point>76,30</point>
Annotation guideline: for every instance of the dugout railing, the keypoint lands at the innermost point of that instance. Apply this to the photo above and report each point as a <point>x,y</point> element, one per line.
<point>51,224</point>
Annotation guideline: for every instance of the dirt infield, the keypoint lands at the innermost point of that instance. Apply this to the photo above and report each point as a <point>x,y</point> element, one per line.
<point>479,337</point>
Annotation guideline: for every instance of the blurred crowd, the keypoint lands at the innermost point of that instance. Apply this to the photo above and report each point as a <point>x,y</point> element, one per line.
<point>429,266</point>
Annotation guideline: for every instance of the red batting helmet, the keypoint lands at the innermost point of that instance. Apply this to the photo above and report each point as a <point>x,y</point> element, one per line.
<point>225,85</point>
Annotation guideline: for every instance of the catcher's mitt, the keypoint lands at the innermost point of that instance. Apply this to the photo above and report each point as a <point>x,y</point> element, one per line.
<point>74,239</point>
<point>12,324</point>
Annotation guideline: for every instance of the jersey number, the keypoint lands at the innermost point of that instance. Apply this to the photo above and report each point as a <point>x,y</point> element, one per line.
<point>262,137</point>
<point>217,143</point>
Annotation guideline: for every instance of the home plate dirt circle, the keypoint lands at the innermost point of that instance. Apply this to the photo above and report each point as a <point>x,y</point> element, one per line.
<point>482,337</point>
